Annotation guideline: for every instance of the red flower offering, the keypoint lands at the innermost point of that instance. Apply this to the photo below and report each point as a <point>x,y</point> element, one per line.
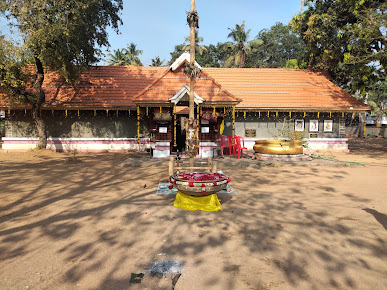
<point>200,183</point>
<point>200,176</point>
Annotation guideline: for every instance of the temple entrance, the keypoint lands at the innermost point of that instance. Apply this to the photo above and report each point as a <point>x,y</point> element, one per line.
<point>181,119</point>
<point>180,133</point>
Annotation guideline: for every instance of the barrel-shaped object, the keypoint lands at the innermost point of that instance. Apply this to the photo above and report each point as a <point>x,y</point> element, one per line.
<point>278,147</point>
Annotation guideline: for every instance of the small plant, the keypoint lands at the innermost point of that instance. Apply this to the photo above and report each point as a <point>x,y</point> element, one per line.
<point>287,132</point>
<point>300,136</point>
<point>74,157</point>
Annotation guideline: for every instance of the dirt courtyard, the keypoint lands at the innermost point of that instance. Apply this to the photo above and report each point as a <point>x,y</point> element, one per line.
<point>91,221</point>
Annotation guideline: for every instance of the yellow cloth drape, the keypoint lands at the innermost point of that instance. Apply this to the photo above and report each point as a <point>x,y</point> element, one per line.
<point>221,129</point>
<point>204,203</point>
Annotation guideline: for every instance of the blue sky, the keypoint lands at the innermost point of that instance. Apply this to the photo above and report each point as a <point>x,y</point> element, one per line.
<point>157,26</point>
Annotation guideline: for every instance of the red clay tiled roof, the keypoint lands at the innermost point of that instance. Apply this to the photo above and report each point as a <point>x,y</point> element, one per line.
<point>100,87</point>
<point>172,81</point>
<point>103,87</point>
<point>283,89</point>
<point>262,89</point>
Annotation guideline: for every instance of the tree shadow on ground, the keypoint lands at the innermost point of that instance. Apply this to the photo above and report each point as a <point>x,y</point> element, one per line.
<point>99,221</point>
<point>371,147</point>
<point>380,217</point>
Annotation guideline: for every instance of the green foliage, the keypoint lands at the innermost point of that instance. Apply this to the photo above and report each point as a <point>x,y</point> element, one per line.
<point>157,61</point>
<point>199,49</point>
<point>179,49</point>
<point>64,34</point>
<point>274,47</point>
<point>214,56</point>
<point>125,56</point>
<point>292,63</point>
<point>132,53</point>
<point>378,96</point>
<point>286,131</point>
<point>14,75</point>
<point>61,35</point>
<point>118,58</point>
<point>239,47</point>
<point>348,38</point>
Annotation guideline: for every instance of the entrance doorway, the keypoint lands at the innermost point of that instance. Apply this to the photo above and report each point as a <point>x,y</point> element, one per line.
<point>180,133</point>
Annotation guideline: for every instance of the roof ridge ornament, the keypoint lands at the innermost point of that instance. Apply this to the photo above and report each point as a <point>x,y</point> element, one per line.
<point>185,57</point>
<point>184,91</point>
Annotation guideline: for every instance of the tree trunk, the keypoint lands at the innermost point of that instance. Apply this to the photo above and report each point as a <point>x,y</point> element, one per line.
<point>362,120</point>
<point>40,126</point>
<point>379,119</point>
<point>243,60</point>
<point>36,106</point>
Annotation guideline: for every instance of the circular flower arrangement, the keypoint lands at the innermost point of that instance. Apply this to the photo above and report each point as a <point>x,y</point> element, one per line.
<point>199,183</point>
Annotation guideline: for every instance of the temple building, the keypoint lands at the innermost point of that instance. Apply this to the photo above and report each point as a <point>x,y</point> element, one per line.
<point>129,108</point>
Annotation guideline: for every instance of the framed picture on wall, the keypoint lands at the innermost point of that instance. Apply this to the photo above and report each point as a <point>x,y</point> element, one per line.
<point>313,126</point>
<point>299,125</point>
<point>328,125</point>
<point>205,129</point>
<point>163,129</point>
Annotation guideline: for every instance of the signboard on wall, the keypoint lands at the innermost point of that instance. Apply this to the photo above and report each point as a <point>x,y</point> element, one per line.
<point>2,114</point>
<point>250,132</point>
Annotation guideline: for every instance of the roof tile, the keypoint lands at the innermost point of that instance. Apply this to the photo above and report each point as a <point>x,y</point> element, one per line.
<point>123,87</point>
<point>283,88</point>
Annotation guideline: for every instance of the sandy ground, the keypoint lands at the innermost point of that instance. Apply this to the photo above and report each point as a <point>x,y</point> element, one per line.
<point>92,221</point>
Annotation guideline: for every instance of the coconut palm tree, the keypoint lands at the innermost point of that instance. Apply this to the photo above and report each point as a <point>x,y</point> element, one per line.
<point>132,53</point>
<point>240,47</point>
<point>198,48</point>
<point>157,61</point>
<point>118,58</point>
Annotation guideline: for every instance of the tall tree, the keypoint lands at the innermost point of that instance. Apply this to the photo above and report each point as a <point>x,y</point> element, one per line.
<point>61,35</point>
<point>239,36</point>
<point>211,57</point>
<point>199,49</point>
<point>157,61</point>
<point>377,99</point>
<point>275,47</point>
<point>118,58</point>
<point>348,38</point>
<point>132,53</point>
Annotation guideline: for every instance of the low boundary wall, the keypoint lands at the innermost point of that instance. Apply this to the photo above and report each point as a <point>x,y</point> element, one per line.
<point>13,144</point>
